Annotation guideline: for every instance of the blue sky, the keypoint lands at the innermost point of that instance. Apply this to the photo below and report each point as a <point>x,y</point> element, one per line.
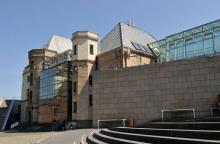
<point>28,24</point>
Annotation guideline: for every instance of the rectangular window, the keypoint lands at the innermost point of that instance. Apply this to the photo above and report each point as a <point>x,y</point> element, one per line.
<point>28,78</point>
<point>217,32</point>
<point>74,49</point>
<point>180,53</point>
<point>172,51</point>
<point>172,54</point>
<point>90,80</point>
<point>91,49</point>
<point>74,86</point>
<point>31,79</point>
<point>27,93</point>
<point>217,44</point>
<point>198,45</point>
<point>30,95</point>
<point>31,64</point>
<point>75,107</point>
<point>208,46</point>
<point>198,48</point>
<point>90,100</point>
<point>189,50</point>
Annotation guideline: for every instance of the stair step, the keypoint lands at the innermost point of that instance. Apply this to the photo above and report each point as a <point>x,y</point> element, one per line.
<point>114,140</point>
<point>155,139</point>
<point>91,140</point>
<point>184,125</point>
<point>183,133</point>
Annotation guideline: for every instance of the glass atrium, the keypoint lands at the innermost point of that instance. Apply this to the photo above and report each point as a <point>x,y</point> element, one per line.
<point>198,41</point>
<point>54,81</point>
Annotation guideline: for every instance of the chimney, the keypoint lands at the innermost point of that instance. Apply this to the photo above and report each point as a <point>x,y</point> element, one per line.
<point>131,23</point>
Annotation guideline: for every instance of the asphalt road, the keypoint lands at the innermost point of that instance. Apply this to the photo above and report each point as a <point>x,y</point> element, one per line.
<point>66,137</point>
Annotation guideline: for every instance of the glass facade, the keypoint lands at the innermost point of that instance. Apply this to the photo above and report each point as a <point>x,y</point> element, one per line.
<point>58,59</point>
<point>198,41</point>
<point>54,81</point>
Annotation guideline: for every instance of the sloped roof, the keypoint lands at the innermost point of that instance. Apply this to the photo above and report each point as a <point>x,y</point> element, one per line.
<point>58,44</point>
<point>124,35</point>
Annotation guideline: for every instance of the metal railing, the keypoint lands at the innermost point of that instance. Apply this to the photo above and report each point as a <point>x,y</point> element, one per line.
<point>176,110</point>
<point>98,121</point>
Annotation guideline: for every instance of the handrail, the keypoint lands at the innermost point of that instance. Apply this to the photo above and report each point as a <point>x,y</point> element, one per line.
<point>173,110</point>
<point>123,120</point>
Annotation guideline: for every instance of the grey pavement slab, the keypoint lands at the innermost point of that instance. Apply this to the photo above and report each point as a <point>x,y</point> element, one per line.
<point>67,137</point>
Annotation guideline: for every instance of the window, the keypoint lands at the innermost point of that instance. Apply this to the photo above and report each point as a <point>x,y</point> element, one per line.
<point>28,78</point>
<point>198,49</point>
<point>74,86</point>
<point>198,45</point>
<point>32,64</point>
<point>90,100</point>
<point>189,47</point>
<point>217,44</point>
<point>208,46</point>
<point>30,95</point>
<point>75,107</point>
<point>180,52</point>
<point>52,81</point>
<point>31,79</point>
<point>74,49</point>
<point>27,93</point>
<point>90,80</point>
<point>91,49</point>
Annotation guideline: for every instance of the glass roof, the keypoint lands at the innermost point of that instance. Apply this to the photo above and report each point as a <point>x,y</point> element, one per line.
<point>187,33</point>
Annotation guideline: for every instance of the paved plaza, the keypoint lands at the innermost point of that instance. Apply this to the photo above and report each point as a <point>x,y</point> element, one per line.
<point>67,137</point>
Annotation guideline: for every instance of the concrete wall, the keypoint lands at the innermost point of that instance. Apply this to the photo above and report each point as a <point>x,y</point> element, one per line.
<point>142,92</point>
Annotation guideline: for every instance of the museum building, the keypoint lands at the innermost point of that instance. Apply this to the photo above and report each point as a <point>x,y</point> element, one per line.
<point>128,74</point>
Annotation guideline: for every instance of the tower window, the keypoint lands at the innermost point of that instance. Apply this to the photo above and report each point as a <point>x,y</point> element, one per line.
<point>90,100</point>
<point>75,107</point>
<point>32,64</point>
<point>31,79</point>
<point>91,49</point>
<point>90,80</point>
<point>30,95</point>
<point>74,86</point>
<point>27,92</point>
<point>28,78</point>
<point>74,49</point>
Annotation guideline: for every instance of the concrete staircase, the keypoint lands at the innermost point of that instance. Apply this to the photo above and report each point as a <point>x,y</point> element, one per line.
<point>196,132</point>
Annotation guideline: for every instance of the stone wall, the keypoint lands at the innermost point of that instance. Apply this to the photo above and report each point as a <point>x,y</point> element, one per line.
<point>142,92</point>
<point>122,57</point>
<point>81,96</point>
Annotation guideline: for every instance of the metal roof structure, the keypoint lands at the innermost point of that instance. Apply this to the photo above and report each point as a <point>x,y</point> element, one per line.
<point>58,59</point>
<point>127,36</point>
<point>198,41</point>
<point>58,44</point>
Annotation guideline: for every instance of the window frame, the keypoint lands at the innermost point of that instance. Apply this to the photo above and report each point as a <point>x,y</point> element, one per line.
<point>91,49</point>
<point>75,50</point>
